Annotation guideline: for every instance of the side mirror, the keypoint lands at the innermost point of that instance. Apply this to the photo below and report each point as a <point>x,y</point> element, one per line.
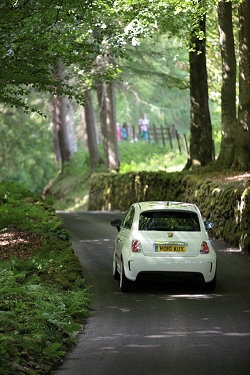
<point>116,223</point>
<point>208,224</point>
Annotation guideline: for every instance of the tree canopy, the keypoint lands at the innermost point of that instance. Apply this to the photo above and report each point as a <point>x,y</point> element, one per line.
<point>35,35</point>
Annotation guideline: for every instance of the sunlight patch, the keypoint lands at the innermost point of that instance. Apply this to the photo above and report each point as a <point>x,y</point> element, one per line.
<point>231,250</point>
<point>240,334</point>
<point>100,241</point>
<point>172,297</point>
<point>142,346</point>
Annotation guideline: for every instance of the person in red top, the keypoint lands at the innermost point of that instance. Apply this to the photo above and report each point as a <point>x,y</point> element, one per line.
<point>118,131</point>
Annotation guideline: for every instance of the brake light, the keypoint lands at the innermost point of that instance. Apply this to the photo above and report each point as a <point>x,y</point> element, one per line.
<point>136,246</point>
<point>204,248</point>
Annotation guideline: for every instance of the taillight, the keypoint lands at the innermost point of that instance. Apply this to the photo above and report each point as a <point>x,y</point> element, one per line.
<point>136,246</point>
<point>204,248</point>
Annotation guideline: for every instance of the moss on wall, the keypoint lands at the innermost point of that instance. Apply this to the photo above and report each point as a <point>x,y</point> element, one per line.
<point>226,204</point>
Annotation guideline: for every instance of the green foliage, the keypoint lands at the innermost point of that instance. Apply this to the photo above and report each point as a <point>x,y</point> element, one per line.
<point>20,209</point>
<point>68,31</point>
<point>143,156</point>
<point>43,300</point>
<point>155,81</point>
<point>26,145</point>
<point>13,192</point>
<point>37,320</point>
<point>69,190</point>
<point>79,164</point>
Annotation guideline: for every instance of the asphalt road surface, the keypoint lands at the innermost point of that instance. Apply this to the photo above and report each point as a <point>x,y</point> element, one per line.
<point>158,329</point>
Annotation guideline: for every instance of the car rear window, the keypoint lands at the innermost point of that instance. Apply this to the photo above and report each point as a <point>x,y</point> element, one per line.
<point>169,220</point>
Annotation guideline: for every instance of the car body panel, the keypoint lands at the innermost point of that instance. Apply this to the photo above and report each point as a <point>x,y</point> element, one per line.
<point>166,251</point>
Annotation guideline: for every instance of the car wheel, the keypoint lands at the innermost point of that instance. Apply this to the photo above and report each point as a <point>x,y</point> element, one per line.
<point>116,274</point>
<point>210,287</point>
<point>125,284</point>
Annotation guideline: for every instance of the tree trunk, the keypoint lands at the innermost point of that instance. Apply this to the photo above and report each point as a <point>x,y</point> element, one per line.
<point>71,126</point>
<point>60,119</point>
<point>228,90</point>
<point>57,153</point>
<point>201,143</point>
<point>63,134</point>
<point>94,153</point>
<point>242,151</point>
<point>114,158</point>
<point>101,96</point>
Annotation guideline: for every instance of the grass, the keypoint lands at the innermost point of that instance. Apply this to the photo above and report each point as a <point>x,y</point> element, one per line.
<point>43,298</point>
<point>144,156</point>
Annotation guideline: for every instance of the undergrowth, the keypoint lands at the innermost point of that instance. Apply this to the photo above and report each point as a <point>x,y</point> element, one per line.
<point>43,299</point>
<point>153,157</point>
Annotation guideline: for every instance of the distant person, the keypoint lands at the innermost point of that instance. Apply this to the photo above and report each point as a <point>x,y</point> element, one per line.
<point>144,125</point>
<point>118,131</point>
<point>124,131</point>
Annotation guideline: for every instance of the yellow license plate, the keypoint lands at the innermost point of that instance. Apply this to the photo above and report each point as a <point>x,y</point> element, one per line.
<point>170,249</point>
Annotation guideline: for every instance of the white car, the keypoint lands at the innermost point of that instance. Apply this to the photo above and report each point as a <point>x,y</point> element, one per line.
<point>163,241</point>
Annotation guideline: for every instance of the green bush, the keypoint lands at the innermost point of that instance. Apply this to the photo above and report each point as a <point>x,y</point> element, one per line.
<point>43,299</point>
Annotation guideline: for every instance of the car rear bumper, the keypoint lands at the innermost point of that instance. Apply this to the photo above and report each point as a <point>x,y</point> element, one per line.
<point>170,276</point>
<point>174,268</point>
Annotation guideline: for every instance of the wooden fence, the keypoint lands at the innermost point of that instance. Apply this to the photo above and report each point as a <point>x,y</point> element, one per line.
<point>164,135</point>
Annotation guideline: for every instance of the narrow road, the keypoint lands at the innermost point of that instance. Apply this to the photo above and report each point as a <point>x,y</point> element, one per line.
<point>158,330</point>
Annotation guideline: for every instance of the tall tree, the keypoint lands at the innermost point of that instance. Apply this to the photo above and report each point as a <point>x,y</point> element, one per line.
<point>63,116</point>
<point>114,157</point>
<point>201,143</point>
<point>61,125</point>
<point>242,151</point>
<point>228,90</point>
<point>94,153</point>
<point>178,17</point>
<point>101,95</point>
<point>71,122</point>
<point>55,119</point>
<point>102,108</point>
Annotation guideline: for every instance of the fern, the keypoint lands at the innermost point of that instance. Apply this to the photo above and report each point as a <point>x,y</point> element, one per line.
<point>39,316</point>
<point>54,351</point>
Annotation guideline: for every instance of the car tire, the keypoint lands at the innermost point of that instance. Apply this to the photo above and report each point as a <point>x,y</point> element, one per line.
<point>116,274</point>
<point>210,287</point>
<point>125,284</point>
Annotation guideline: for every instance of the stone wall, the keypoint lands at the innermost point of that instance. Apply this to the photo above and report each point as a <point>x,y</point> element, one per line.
<point>226,203</point>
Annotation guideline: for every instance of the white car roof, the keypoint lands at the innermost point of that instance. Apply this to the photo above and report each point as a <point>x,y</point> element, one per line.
<point>161,205</point>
